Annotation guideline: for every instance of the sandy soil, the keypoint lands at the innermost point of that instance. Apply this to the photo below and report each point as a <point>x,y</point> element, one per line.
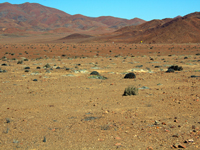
<point>66,109</point>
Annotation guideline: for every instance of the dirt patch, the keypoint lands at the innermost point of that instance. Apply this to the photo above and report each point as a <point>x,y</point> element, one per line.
<point>50,101</point>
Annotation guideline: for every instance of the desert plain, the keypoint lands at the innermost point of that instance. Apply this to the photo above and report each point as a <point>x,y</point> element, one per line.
<point>49,100</point>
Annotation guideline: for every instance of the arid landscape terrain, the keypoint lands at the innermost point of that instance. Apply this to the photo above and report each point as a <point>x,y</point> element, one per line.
<point>50,98</point>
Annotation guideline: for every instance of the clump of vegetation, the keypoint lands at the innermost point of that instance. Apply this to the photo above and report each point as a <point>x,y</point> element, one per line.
<point>97,77</point>
<point>176,68</point>
<point>25,59</point>
<point>4,58</point>
<point>131,90</point>
<point>47,66</point>
<point>20,62</point>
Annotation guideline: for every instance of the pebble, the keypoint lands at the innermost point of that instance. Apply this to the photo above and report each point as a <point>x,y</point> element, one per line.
<point>117,138</point>
<point>118,144</point>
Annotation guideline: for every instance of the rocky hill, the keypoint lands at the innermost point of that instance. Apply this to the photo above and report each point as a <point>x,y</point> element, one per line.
<point>36,17</point>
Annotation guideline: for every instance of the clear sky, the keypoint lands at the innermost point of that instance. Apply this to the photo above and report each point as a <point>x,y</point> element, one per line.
<point>129,9</point>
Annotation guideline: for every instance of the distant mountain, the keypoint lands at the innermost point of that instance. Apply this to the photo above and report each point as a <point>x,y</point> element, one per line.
<point>178,30</point>
<point>36,17</point>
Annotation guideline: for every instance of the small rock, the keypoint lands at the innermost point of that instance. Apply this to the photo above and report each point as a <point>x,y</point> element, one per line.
<point>35,80</point>
<point>67,69</point>
<point>157,66</point>
<point>149,148</point>
<point>118,144</point>
<point>194,76</point>
<point>156,122</point>
<point>144,87</point>
<point>27,68</point>
<point>117,138</point>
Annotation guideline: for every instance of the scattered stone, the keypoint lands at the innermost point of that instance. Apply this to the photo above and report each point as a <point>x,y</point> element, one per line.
<point>156,122</point>
<point>117,138</point>
<point>15,141</point>
<point>157,66</point>
<point>170,70</point>
<point>48,71</point>
<point>118,144</point>
<point>95,68</point>
<point>70,75</point>
<point>4,64</point>
<point>139,66</point>
<point>130,75</point>
<point>149,148</point>
<point>38,67</point>
<point>2,71</point>
<point>57,67</point>
<point>35,80</point>
<point>94,73</point>
<point>27,68</point>
<point>97,77</point>
<point>176,68</point>
<point>89,118</point>
<point>67,69</point>
<point>175,135</point>
<point>194,76</point>
<point>25,59</point>
<point>26,71</point>
<point>105,127</point>
<point>189,141</point>
<point>131,90</point>
<point>144,87</point>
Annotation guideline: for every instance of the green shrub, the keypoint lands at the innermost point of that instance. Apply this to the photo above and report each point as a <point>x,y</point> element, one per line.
<point>131,90</point>
<point>47,66</point>
<point>20,62</point>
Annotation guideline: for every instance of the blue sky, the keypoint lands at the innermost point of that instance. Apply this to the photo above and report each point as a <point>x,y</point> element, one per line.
<point>128,9</point>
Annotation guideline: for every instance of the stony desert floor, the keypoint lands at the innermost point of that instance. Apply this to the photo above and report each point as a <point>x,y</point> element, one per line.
<point>63,107</point>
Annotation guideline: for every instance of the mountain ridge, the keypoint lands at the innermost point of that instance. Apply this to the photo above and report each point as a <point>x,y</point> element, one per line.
<point>36,17</point>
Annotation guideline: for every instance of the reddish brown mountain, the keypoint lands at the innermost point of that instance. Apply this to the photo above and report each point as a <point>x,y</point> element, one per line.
<point>178,30</point>
<point>35,17</point>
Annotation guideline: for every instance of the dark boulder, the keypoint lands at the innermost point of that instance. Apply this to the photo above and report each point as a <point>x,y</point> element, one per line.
<point>94,73</point>
<point>130,75</point>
